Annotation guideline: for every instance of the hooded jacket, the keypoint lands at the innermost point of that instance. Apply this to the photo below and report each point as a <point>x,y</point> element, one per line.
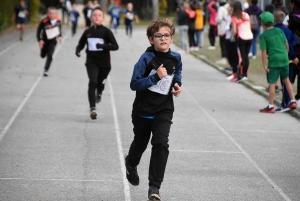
<point>294,23</point>
<point>148,102</point>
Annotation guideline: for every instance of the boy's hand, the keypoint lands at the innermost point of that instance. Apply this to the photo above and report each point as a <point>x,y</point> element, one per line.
<point>78,54</point>
<point>177,90</point>
<point>267,69</point>
<point>60,39</point>
<point>41,44</point>
<point>296,61</point>
<point>161,71</point>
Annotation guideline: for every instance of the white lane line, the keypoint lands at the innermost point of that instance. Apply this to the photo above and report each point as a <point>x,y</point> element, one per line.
<point>262,131</point>
<point>203,151</point>
<point>64,180</point>
<point>14,44</point>
<point>119,142</point>
<point>269,180</point>
<point>19,109</point>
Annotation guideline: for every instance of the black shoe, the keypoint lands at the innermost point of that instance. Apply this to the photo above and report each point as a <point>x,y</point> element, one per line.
<point>153,193</point>
<point>93,113</point>
<point>131,173</point>
<point>45,73</point>
<point>297,97</point>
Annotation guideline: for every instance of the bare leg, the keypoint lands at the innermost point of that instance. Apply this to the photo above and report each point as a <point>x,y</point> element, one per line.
<point>289,88</point>
<point>271,93</point>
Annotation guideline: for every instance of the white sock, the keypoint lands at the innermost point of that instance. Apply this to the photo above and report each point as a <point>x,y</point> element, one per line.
<point>270,106</point>
<point>292,101</point>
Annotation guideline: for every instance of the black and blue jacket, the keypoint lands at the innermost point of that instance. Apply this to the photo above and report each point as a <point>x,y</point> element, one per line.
<point>148,103</point>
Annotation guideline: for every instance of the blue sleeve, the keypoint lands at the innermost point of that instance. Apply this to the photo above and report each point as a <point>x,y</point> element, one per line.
<point>138,80</point>
<point>292,42</point>
<point>177,74</point>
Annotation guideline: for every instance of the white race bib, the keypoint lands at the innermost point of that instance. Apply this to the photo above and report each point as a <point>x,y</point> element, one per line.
<point>129,16</point>
<point>89,12</point>
<point>92,42</point>
<point>52,33</point>
<point>21,14</point>
<point>163,86</point>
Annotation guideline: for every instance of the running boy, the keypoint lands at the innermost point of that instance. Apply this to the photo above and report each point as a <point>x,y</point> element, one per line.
<point>19,16</point>
<point>100,40</point>
<point>129,16</point>
<point>115,13</point>
<point>74,15</point>
<point>274,44</point>
<point>48,30</point>
<point>157,72</point>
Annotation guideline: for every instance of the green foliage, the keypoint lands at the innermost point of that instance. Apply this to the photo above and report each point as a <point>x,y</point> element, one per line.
<point>6,11</point>
<point>163,5</point>
<point>34,10</point>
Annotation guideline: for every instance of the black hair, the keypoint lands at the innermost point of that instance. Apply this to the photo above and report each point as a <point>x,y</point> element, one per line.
<point>277,3</point>
<point>254,1</point>
<point>97,8</point>
<point>296,2</point>
<point>270,8</point>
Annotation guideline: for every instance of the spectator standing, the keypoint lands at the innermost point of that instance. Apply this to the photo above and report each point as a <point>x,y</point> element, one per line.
<point>199,25</point>
<point>213,8</point>
<point>87,13</point>
<point>183,26</point>
<point>191,31</point>
<point>254,12</point>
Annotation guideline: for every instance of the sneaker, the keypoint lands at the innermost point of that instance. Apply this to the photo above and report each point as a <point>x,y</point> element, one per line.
<point>211,48</point>
<point>21,38</point>
<point>222,62</point>
<point>228,69</point>
<point>293,105</point>
<point>46,74</point>
<point>131,173</point>
<point>254,57</point>
<point>196,48</point>
<point>241,79</point>
<point>153,193</point>
<point>234,79</point>
<point>93,113</point>
<point>250,54</point>
<point>230,77</point>
<point>282,109</point>
<point>267,110</point>
<point>192,49</point>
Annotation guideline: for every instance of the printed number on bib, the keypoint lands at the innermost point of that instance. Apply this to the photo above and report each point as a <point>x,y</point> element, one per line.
<point>21,14</point>
<point>163,86</point>
<point>92,43</point>
<point>52,33</point>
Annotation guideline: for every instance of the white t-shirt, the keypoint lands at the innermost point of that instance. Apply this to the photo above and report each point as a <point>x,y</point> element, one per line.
<point>286,20</point>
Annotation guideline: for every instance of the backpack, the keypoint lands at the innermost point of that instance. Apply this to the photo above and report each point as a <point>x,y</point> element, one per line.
<point>254,22</point>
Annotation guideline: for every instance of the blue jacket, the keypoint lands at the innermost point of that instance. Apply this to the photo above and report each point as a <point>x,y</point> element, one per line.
<point>292,41</point>
<point>148,102</point>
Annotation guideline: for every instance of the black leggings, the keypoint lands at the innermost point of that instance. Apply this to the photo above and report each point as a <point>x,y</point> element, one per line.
<point>74,27</point>
<point>232,54</point>
<point>97,78</point>
<point>48,51</point>
<point>160,128</point>
<point>222,46</point>
<point>244,46</point>
<point>211,35</point>
<point>191,34</point>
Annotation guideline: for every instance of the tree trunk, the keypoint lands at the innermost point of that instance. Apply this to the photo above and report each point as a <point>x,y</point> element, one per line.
<point>155,9</point>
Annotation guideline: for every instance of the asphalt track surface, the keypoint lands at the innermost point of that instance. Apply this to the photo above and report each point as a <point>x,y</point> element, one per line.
<point>221,147</point>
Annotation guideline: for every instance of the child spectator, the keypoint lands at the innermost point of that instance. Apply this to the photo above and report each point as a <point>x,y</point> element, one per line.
<point>213,8</point>
<point>292,41</point>
<point>183,26</point>
<point>192,18</point>
<point>99,40</point>
<point>129,16</point>
<point>242,29</point>
<point>154,75</point>
<point>74,15</point>
<point>254,12</point>
<point>220,19</point>
<point>87,13</point>
<point>274,42</point>
<point>199,25</point>
<point>294,24</point>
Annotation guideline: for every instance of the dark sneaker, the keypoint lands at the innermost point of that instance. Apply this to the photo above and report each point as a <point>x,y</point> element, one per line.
<point>153,194</point>
<point>93,113</point>
<point>267,110</point>
<point>293,105</point>
<point>241,79</point>
<point>131,173</point>
<point>46,74</point>
<point>282,109</point>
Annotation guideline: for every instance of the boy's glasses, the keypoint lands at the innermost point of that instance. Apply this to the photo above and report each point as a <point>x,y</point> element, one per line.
<point>160,36</point>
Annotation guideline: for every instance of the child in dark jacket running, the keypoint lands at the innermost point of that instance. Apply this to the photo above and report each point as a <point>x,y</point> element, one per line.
<point>156,78</point>
<point>100,40</point>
